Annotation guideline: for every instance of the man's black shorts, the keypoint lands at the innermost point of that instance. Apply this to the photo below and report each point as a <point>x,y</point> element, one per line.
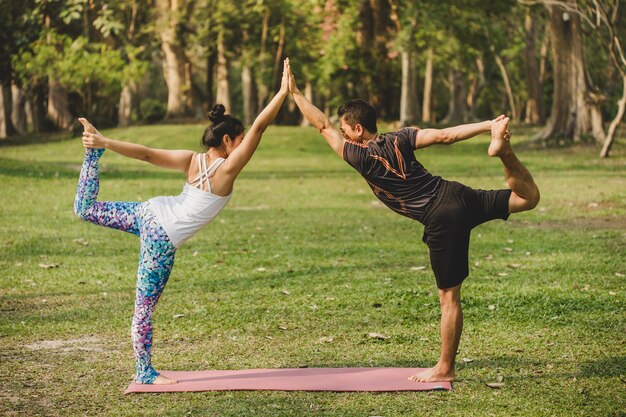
<point>448,222</point>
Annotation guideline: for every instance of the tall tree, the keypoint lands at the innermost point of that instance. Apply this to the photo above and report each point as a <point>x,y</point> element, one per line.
<point>534,103</point>
<point>170,28</point>
<point>406,27</point>
<point>575,113</point>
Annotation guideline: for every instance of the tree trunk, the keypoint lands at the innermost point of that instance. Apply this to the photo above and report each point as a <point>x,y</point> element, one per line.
<point>428,87</point>
<point>58,110</point>
<point>223,86</point>
<point>457,104</point>
<point>126,105</point>
<point>611,133</point>
<point>276,73</point>
<point>174,59</point>
<point>18,114</point>
<point>478,83</point>
<point>210,72</point>
<point>408,99</point>
<point>571,114</point>
<point>385,102</point>
<point>507,86</point>
<point>249,95</point>
<point>534,104</point>
<point>262,88</point>
<point>6,108</point>
<point>543,58</point>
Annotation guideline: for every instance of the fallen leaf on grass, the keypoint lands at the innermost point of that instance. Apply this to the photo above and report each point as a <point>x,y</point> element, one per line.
<point>283,327</point>
<point>418,268</point>
<point>49,266</point>
<point>514,266</point>
<point>492,307</point>
<point>377,336</point>
<point>503,274</point>
<point>81,241</point>
<point>619,275</point>
<point>326,339</point>
<point>612,293</point>
<point>178,316</point>
<point>499,378</point>
<point>261,269</point>
<point>508,249</point>
<point>495,385</point>
<point>285,292</point>
<point>468,360</point>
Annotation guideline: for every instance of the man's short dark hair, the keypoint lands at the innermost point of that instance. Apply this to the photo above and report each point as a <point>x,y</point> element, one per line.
<point>358,112</point>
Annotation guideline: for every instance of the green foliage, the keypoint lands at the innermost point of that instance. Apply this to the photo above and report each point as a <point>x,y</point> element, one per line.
<point>152,110</point>
<point>343,48</point>
<point>76,63</point>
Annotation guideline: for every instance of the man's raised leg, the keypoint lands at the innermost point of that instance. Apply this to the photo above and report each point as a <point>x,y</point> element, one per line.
<point>525,195</point>
<point>451,328</point>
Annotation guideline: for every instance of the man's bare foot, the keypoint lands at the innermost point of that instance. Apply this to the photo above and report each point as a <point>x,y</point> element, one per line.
<point>432,375</point>
<point>162,380</point>
<point>500,136</point>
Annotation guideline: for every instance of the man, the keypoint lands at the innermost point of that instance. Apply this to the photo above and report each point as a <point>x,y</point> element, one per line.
<point>448,209</point>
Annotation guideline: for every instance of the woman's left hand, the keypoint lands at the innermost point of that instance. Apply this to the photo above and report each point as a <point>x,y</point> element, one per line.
<point>284,82</point>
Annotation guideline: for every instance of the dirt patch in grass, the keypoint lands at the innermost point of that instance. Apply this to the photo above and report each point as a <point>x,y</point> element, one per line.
<point>578,223</point>
<point>85,344</point>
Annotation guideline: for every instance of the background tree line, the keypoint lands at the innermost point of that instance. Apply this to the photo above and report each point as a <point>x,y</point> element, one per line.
<point>555,63</point>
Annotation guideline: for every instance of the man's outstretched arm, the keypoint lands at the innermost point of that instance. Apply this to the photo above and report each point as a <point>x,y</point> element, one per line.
<point>450,135</point>
<point>317,118</point>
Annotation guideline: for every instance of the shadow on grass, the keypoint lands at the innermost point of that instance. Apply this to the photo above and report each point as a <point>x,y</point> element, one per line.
<point>36,138</point>
<point>612,366</point>
<point>64,169</point>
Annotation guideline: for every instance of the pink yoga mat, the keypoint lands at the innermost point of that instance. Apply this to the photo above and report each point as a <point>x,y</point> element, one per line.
<point>298,379</point>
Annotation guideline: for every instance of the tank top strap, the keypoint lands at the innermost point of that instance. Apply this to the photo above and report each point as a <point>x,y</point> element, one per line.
<point>214,166</point>
<point>204,172</point>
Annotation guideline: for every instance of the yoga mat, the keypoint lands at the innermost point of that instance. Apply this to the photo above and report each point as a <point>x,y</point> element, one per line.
<point>294,379</point>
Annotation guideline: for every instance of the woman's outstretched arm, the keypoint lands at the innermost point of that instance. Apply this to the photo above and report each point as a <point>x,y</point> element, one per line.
<point>242,154</point>
<point>178,159</point>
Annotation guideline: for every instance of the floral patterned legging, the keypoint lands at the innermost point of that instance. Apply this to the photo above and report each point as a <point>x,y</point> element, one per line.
<point>156,257</point>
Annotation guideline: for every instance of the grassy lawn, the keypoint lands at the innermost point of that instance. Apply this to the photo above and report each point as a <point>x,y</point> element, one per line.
<point>305,252</point>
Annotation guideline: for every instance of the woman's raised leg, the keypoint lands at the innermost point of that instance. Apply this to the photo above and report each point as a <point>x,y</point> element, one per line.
<point>116,215</point>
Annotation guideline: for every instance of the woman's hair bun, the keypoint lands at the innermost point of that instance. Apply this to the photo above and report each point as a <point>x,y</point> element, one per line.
<point>216,115</point>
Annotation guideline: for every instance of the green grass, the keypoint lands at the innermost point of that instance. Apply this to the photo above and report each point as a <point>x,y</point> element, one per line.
<point>304,245</point>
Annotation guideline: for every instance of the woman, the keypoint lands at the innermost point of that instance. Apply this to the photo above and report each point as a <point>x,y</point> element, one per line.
<point>165,223</point>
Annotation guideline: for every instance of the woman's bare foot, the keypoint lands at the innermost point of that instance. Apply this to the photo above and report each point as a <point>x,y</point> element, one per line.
<point>500,136</point>
<point>432,375</point>
<point>87,126</point>
<point>161,380</point>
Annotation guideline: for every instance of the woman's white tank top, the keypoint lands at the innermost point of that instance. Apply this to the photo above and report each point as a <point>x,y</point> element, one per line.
<point>182,216</point>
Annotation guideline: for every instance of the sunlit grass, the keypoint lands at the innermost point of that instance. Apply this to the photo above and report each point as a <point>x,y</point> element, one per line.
<point>304,246</point>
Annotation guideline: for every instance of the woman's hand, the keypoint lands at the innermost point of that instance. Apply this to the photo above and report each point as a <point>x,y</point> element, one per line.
<point>284,83</point>
<point>91,137</point>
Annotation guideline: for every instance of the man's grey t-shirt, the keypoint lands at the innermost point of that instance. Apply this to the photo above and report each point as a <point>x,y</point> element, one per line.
<point>389,166</point>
